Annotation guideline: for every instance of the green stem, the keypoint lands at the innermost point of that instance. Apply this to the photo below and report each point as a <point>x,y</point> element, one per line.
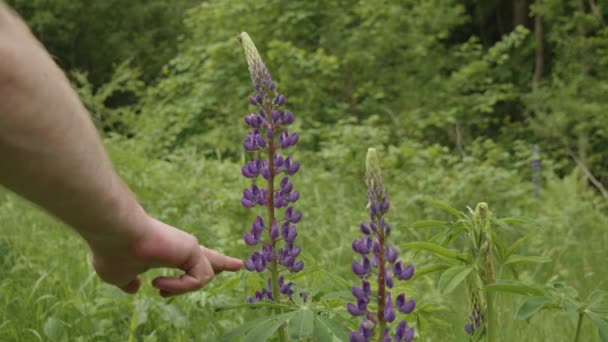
<point>381,285</point>
<point>274,266</point>
<point>491,326</point>
<point>579,324</point>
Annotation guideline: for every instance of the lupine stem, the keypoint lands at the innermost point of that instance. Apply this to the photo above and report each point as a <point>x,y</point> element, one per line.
<point>274,266</point>
<point>491,317</point>
<point>381,286</point>
<point>579,324</point>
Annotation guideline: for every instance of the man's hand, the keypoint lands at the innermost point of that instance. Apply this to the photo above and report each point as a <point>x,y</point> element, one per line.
<point>161,246</point>
<point>51,154</point>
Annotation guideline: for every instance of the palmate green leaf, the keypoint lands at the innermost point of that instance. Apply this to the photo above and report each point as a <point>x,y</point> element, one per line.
<point>514,287</point>
<point>301,324</point>
<point>600,324</point>
<point>327,326</point>
<point>452,277</point>
<point>321,332</point>
<point>444,207</point>
<point>599,309</point>
<point>338,294</point>
<point>448,255</point>
<point>524,259</point>
<point>242,329</point>
<point>429,224</point>
<point>265,304</point>
<point>531,306</point>
<point>597,297</point>
<point>263,330</point>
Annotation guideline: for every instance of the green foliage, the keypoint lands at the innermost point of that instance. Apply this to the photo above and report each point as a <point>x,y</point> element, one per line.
<point>443,88</point>
<point>94,36</point>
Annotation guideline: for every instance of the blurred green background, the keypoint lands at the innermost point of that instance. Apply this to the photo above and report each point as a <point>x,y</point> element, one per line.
<point>454,94</point>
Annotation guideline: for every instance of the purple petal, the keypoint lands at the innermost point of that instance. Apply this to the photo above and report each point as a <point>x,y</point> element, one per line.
<point>245,172</point>
<point>354,310</point>
<point>407,273</point>
<point>293,168</point>
<point>249,265</point>
<point>409,335</point>
<point>288,119</point>
<point>297,267</point>
<point>247,203</point>
<point>250,239</point>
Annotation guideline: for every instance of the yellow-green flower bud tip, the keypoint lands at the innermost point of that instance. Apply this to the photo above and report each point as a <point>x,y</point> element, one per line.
<point>372,167</point>
<point>254,60</point>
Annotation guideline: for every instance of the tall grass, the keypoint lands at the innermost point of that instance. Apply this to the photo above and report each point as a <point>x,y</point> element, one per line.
<point>48,290</point>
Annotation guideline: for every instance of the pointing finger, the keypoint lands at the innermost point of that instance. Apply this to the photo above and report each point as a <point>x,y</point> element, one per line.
<point>220,262</point>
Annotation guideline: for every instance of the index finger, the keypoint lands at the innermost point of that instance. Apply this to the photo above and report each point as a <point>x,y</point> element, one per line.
<point>220,262</point>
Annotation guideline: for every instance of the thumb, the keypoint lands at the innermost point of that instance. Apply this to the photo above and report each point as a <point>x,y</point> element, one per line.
<point>220,262</point>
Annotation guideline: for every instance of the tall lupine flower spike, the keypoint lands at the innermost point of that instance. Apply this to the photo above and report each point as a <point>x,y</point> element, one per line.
<point>268,136</point>
<point>378,257</point>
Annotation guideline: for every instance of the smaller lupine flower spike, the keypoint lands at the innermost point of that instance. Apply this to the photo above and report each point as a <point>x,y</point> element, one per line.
<point>377,252</point>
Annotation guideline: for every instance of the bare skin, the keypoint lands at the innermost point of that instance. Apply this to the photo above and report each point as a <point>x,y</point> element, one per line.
<point>51,154</point>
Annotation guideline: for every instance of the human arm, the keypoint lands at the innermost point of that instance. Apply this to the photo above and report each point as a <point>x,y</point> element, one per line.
<point>51,154</point>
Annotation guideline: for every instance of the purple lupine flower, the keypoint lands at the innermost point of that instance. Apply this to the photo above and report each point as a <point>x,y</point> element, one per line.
<point>377,253</point>
<point>269,135</point>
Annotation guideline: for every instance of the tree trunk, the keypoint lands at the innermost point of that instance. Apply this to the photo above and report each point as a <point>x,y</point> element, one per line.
<point>520,12</point>
<point>538,34</point>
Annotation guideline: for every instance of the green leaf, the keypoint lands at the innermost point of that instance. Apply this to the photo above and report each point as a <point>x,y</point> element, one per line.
<point>514,220</point>
<point>523,259</point>
<point>597,297</point>
<point>433,319</point>
<point>600,324</point>
<point>437,250</point>
<point>426,270</point>
<point>265,304</point>
<point>513,287</point>
<point>301,324</point>
<point>429,224</point>
<point>452,277</point>
<point>599,309</point>
<point>531,306</point>
<point>338,330</point>
<point>244,328</point>
<point>515,246</point>
<point>321,332</point>
<point>263,331</point>
<point>338,294</point>
<point>444,207</point>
